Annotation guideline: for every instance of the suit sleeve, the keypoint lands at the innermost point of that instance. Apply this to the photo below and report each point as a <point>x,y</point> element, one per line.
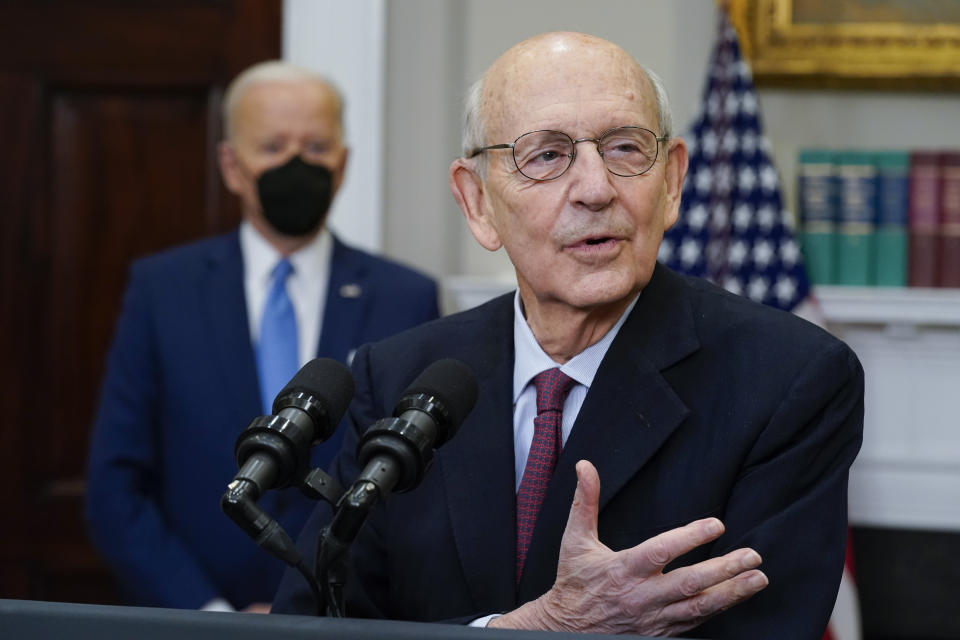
<point>790,502</point>
<point>123,506</point>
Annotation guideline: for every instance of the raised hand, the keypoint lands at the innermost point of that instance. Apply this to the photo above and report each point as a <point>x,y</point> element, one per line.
<point>601,591</point>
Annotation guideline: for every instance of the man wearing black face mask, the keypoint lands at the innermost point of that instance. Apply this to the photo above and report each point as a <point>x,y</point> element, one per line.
<point>211,331</point>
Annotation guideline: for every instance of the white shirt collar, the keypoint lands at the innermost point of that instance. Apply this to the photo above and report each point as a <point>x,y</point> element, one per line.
<point>307,285</point>
<point>530,358</point>
<point>260,258</point>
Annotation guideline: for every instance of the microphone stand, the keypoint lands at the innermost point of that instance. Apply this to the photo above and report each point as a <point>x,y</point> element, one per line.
<point>396,452</point>
<point>335,540</point>
<point>239,503</point>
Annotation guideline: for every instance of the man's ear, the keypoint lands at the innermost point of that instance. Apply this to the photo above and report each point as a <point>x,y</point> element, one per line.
<point>341,168</point>
<point>230,168</point>
<point>468,190</point>
<point>674,173</point>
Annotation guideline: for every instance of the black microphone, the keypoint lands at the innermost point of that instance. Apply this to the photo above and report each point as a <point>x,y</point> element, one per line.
<point>274,450</point>
<point>396,452</point>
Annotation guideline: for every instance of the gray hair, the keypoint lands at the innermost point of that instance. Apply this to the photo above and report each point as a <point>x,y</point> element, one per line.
<point>474,134</point>
<point>273,71</point>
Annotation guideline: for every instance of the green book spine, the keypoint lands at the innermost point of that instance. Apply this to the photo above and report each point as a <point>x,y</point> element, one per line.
<point>820,255</point>
<point>857,175</point>
<point>890,267</point>
<point>818,214</point>
<point>892,238</point>
<point>854,258</point>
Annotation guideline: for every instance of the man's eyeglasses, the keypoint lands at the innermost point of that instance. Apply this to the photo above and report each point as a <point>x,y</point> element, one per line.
<point>546,154</point>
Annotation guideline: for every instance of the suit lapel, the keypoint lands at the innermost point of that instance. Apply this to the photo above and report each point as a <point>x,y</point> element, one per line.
<point>629,412</point>
<point>225,313</point>
<point>478,464</point>
<point>346,304</point>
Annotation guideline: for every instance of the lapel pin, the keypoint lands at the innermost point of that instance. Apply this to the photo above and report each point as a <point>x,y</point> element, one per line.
<point>351,290</point>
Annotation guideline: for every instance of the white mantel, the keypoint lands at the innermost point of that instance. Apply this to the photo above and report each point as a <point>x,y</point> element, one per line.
<point>908,472</point>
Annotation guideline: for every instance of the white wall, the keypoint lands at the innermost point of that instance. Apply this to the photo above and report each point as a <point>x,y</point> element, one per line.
<point>424,74</point>
<point>344,42</point>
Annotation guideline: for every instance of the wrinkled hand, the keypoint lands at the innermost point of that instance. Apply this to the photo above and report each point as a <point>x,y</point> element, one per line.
<point>601,591</point>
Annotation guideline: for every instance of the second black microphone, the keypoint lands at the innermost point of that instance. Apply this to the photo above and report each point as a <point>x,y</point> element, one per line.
<point>396,452</point>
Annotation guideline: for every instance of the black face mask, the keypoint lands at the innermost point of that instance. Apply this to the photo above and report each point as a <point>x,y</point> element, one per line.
<point>295,196</point>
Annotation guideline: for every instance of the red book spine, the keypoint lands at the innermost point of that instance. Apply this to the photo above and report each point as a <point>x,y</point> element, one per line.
<point>950,219</point>
<point>923,218</point>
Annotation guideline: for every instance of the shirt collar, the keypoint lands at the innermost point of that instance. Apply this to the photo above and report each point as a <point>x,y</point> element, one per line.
<point>530,358</point>
<point>260,257</point>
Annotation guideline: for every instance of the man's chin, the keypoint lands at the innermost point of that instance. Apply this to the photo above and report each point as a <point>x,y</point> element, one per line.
<point>590,296</point>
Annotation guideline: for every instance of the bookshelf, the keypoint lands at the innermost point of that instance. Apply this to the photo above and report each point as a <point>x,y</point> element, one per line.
<point>908,472</point>
<point>890,306</point>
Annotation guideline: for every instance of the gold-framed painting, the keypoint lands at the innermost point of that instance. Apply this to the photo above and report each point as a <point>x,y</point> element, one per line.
<point>876,44</point>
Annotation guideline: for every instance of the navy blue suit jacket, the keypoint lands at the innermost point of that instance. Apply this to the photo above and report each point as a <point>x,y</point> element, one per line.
<point>181,383</point>
<point>705,405</point>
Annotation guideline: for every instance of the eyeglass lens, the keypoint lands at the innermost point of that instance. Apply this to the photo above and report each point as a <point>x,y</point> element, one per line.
<point>545,155</point>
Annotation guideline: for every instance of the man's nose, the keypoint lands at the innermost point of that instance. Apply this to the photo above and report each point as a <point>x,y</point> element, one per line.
<point>592,187</point>
<point>295,149</point>
<point>282,159</point>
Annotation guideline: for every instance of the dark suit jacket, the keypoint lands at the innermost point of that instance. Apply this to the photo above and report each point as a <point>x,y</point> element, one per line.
<point>181,383</point>
<point>705,405</point>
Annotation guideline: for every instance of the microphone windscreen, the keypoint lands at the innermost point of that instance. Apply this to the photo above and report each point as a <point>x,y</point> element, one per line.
<point>328,381</point>
<point>453,384</point>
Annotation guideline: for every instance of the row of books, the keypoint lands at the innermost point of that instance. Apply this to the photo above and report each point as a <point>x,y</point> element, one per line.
<point>880,218</point>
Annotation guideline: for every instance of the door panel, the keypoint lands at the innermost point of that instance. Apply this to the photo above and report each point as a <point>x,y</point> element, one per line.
<point>109,119</point>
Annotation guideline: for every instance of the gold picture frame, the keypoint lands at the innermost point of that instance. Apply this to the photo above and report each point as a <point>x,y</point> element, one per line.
<point>858,44</point>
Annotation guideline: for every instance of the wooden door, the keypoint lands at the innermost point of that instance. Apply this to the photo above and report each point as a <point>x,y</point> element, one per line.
<point>109,119</point>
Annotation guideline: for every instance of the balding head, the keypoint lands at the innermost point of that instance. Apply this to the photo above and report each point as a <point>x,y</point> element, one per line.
<point>276,72</point>
<point>571,57</point>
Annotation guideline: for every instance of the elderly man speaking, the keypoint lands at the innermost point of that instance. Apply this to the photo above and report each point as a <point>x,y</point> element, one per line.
<point>704,441</point>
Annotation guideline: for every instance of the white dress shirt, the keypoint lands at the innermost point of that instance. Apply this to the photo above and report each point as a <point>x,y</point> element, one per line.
<point>306,286</point>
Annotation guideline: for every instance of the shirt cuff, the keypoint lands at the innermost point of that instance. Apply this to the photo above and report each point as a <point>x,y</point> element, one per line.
<point>217,604</point>
<point>485,620</point>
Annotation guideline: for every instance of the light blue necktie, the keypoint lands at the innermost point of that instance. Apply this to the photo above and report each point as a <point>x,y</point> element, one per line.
<point>277,353</point>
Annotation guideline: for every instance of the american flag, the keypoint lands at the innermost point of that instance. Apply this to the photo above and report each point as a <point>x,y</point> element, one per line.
<point>733,228</point>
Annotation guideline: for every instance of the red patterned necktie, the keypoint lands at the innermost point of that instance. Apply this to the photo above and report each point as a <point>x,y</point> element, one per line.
<point>552,388</point>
